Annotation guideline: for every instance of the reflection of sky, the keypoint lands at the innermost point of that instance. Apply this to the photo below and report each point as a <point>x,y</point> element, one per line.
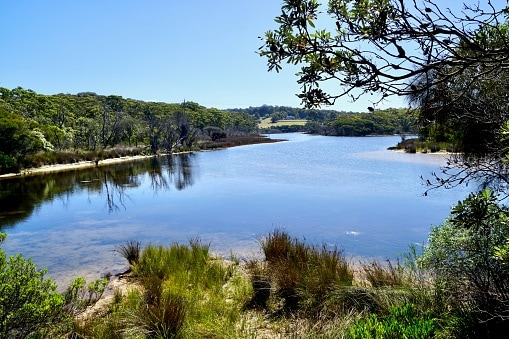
<point>344,191</point>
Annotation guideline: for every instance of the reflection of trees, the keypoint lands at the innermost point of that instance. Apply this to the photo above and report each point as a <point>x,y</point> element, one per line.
<point>116,180</point>
<point>177,169</point>
<point>115,192</point>
<point>180,170</point>
<point>19,197</point>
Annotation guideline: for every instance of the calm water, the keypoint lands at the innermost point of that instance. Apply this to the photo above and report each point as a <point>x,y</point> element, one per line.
<point>346,191</point>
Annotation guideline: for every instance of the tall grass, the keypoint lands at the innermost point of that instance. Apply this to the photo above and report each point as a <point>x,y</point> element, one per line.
<point>301,274</point>
<point>378,275</point>
<point>209,289</point>
<point>299,290</point>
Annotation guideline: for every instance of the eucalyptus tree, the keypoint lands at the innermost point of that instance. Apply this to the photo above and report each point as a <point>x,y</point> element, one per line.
<point>380,46</point>
<point>451,64</point>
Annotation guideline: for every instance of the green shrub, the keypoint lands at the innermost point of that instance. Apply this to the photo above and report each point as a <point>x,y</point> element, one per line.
<point>402,322</point>
<point>78,295</point>
<point>461,256</point>
<point>7,164</point>
<point>28,301</point>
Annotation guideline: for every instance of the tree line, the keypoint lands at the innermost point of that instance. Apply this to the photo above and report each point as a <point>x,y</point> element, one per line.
<point>32,122</point>
<point>338,123</point>
<point>380,122</point>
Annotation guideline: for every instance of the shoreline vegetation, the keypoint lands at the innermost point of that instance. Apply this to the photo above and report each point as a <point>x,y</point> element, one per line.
<point>69,161</point>
<point>416,145</point>
<point>295,290</point>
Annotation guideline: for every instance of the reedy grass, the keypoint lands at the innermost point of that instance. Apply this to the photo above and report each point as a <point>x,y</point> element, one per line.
<point>130,250</point>
<point>379,275</point>
<point>187,293</point>
<point>212,292</point>
<point>300,274</point>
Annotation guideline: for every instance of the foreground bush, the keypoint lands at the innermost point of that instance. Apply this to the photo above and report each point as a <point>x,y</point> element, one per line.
<point>28,301</point>
<point>467,274</point>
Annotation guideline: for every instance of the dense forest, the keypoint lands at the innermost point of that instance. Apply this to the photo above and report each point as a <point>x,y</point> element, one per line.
<point>337,123</point>
<point>38,129</point>
<point>31,123</point>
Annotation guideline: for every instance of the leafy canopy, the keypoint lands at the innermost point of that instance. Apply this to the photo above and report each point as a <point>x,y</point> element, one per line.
<point>28,301</point>
<point>382,46</point>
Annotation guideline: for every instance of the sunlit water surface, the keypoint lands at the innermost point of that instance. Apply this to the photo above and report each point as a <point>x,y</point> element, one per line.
<point>349,192</point>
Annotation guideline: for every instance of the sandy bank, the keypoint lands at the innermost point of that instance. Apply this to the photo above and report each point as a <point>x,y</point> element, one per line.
<point>223,143</point>
<point>73,166</point>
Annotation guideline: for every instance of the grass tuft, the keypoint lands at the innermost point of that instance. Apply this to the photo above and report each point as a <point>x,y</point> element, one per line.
<point>130,250</point>
<point>300,275</point>
<point>378,275</point>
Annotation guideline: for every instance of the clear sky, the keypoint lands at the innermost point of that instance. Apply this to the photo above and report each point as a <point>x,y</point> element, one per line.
<point>153,50</point>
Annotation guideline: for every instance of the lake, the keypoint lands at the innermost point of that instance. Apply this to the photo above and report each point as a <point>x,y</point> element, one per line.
<point>349,192</point>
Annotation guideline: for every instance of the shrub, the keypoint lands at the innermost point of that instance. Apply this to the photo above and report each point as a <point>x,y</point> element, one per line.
<point>78,295</point>
<point>28,301</point>
<point>411,148</point>
<point>461,255</point>
<point>7,164</point>
<point>402,322</point>
<point>434,147</point>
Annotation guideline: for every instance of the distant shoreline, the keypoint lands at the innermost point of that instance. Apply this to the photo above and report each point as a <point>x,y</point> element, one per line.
<point>73,166</point>
<point>228,143</point>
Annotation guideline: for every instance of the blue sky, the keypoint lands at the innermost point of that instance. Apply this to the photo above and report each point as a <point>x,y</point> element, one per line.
<point>154,50</point>
<point>195,50</point>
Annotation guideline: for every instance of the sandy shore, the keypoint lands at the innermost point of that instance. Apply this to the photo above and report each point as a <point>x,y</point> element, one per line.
<point>74,166</point>
<point>228,142</point>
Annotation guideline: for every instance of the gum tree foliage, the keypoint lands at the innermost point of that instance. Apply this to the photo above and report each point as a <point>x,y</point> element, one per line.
<point>28,301</point>
<point>451,65</point>
<point>88,121</point>
<point>463,256</point>
<point>381,46</point>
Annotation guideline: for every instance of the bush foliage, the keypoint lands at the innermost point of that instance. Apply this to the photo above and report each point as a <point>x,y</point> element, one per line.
<point>28,301</point>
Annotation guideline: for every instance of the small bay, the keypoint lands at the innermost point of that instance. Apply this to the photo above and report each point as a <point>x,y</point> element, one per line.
<point>349,192</point>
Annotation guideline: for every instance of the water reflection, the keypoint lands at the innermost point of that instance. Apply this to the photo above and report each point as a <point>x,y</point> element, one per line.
<point>179,171</point>
<point>349,192</point>
<point>20,197</point>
